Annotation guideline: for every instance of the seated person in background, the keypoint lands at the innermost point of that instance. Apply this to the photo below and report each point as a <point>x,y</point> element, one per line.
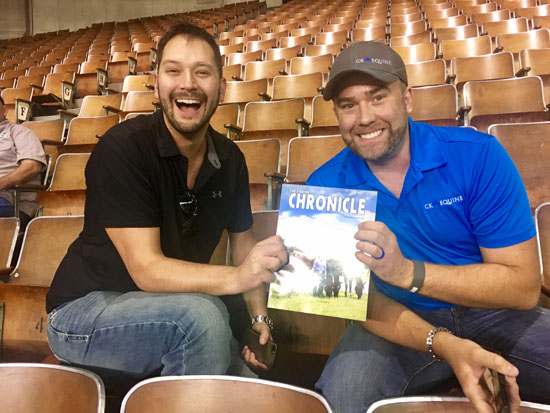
<point>453,253</point>
<point>135,296</point>
<point>22,159</point>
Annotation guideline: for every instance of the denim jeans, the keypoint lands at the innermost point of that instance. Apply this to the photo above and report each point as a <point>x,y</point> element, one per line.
<point>126,337</point>
<point>365,368</point>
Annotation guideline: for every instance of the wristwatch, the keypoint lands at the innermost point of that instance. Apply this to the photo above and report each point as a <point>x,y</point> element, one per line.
<point>262,319</point>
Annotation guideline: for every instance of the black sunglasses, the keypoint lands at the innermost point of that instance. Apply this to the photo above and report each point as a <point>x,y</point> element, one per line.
<point>189,206</point>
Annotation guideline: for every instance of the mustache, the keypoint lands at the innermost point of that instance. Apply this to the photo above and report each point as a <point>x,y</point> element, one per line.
<point>190,95</point>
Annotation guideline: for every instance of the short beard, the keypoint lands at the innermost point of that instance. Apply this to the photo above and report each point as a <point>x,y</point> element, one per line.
<point>395,141</point>
<point>205,120</point>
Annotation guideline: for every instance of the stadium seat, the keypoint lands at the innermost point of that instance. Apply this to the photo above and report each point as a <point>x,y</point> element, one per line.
<point>263,157</point>
<point>44,245</point>
<point>236,394</point>
<point>307,154</point>
<point>31,387</point>
<point>486,102</point>
<point>428,73</point>
<point>84,133</point>
<point>415,404</point>
<point>486,67</point>
<point>436,105</point>
<point>528,146</point>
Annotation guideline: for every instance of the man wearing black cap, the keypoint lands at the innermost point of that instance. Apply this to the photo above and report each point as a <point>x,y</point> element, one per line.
<point>453,253</point>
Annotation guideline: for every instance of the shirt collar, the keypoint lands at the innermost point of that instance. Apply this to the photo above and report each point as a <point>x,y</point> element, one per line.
<point>167,147</point>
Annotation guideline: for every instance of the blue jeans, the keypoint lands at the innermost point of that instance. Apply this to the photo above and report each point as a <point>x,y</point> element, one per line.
<point>6,211</point>
<point>126,337</point>
<point>364,368</point>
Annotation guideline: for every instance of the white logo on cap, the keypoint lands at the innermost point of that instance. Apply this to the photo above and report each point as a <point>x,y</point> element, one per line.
<point>375,60</point>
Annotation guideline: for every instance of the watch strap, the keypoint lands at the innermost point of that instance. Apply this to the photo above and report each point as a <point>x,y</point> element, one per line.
<point>419,274</point>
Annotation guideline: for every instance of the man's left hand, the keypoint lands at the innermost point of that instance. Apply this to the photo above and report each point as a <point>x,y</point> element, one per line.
<point>379,250</point>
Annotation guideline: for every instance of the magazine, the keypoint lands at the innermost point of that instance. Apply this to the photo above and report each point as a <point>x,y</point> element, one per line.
<point>323,276</point>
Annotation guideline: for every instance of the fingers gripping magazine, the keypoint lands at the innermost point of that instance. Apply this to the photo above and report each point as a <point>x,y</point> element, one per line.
<point>322,276</point>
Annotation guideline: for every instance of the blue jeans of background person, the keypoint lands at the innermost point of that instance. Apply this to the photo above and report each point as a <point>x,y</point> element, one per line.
<point>364,368</point>
<point>6,211</point>
<point>127,337</point>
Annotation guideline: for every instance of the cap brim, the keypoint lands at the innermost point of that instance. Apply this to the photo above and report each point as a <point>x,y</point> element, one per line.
<point>380,75</point>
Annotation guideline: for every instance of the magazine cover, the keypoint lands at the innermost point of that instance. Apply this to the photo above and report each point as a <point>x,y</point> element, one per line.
<point>322,276</point>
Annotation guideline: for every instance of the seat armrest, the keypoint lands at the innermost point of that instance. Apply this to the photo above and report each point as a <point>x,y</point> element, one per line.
<point>303,127</point>
<point>523,71</point>
<point>237,78</point>
<point>451,79</point>
<point>274,187</point>
<point>66,112</point>
<point>462,114</point>
<point>264,96</point>
<point>111,109</point>
<point>233,129</point>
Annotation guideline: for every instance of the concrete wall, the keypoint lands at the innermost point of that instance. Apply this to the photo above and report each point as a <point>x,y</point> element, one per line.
<point>12,18</point>
<point>53,15</point>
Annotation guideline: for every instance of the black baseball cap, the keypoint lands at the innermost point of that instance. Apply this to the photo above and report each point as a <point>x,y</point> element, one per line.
<point>373,58</point>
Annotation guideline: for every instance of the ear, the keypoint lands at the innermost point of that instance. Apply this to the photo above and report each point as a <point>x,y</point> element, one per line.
<point>407,98</point>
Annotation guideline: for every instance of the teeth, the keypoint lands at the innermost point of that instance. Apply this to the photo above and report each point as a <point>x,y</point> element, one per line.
<point>188,102</point>
<point>371,134</point>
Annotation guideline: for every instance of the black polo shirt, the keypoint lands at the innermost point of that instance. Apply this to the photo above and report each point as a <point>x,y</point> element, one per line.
<point>134,178</point>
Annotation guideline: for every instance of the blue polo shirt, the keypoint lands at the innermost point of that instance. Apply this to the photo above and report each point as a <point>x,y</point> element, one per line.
<point>461,191</point>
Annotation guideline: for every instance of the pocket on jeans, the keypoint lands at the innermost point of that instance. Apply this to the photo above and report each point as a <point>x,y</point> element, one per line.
<point>63,336</point>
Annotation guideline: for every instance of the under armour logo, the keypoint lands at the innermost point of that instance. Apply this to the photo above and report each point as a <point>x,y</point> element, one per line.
<point>217,194</point>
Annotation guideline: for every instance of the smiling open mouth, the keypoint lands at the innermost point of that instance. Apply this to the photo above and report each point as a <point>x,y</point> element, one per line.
<point>188,103</point>
<point>371,135</point>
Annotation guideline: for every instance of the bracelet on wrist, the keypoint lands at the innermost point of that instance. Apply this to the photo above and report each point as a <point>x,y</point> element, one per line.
<point>430,340</point>
<point>262,319</point>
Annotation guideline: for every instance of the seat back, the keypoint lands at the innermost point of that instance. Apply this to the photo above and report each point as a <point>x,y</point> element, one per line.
<point>418,38</point>
<point>307,154</point>
<point>68,174</point>
<point>311,64</point>
<point>47,130</point>
<point>285,53</point>
<point>93,105</point>
<point>264,70</point>
<point>474,46</point>
<point>323,119</point>
<point>407,29</point>
<point>492,16</point>
<point>377,32</point>
<point>452,21</point>
<point>504,101</point>
<point>138,82</point>
<point>223,115</point>
<point>416,53</point>
<point>30,387</point>
<point>247,91</point>
<point>428,73</point>
<point>457,33</point>
<point>235,394</point>
<point>139,101</point>
<point>415,404</point>
<point>262,156</point>
<point>85,131</point>
<point>495,28</point>
<point>258,116</point>
<point>9,228</point>
<point>332,37</point>
<point>528,144</point>
<point>491,66</point>
<point>533,39</point>
<point>436,105</point>
<point>542,221</point>
<point>44,245</point>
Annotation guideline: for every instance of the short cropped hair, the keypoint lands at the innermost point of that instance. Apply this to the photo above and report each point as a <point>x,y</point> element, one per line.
<point>191,31</point>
